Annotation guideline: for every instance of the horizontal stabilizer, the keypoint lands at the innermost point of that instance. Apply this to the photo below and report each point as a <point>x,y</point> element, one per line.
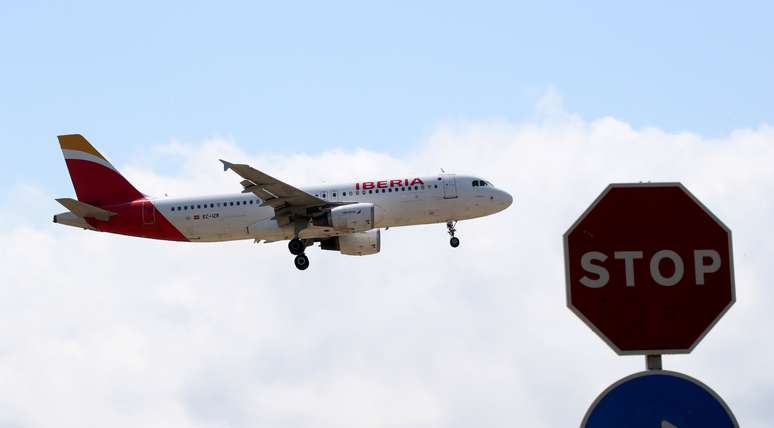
<point>82,209</point>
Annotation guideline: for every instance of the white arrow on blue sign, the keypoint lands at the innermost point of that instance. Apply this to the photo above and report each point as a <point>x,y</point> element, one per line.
<point>659,399</point>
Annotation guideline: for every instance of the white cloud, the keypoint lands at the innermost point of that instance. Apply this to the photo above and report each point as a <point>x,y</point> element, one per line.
<point>108,330</point>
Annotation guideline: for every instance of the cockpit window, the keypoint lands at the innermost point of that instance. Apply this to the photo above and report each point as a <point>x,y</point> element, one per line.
<point>475,183</point>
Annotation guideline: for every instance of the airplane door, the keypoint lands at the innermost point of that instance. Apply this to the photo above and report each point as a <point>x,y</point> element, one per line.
<point>148,213</point>
<point>449,186</point>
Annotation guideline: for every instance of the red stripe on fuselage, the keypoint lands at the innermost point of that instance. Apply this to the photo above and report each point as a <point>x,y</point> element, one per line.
<point>138,218</point>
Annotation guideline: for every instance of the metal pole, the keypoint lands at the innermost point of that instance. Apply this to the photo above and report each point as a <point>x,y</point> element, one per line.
<point>653,362</point>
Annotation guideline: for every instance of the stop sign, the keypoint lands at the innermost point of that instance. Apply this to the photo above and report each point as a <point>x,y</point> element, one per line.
<point>649,268</point>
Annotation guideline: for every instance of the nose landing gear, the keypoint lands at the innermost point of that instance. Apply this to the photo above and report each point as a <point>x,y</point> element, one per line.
<point>297,247</point>
<point>454,241</point>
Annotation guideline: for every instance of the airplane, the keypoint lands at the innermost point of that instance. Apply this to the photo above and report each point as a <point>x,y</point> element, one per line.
<point>345,217</point>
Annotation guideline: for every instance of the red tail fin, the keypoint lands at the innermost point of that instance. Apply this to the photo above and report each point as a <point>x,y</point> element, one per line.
<point>96,181</point>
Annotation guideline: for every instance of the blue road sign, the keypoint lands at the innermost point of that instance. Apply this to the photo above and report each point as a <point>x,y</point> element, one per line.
<point>659,399</point>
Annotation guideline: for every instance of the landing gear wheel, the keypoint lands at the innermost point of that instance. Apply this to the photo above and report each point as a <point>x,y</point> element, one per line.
<point>454,241</point>
<point>296,246</point>
<point>301,262</point>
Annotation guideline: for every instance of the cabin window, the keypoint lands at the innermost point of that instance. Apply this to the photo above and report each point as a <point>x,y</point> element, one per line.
<point>436,186</point>
<point>231,204</point>
<point>199,207</point>
<point>173,208</point>
<point>334,194</point>
<point>370,191</point>
<point>324,195</point>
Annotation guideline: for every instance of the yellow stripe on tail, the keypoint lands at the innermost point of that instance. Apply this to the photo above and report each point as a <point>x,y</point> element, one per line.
<point>77,142</point>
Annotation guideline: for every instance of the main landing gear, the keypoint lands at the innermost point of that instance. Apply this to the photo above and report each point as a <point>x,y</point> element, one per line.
<point>454,241</point>
<point>301,262</point>
<point>297,247</point>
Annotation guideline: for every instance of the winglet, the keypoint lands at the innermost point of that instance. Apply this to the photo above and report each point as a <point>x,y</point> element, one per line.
<point>226,165</point>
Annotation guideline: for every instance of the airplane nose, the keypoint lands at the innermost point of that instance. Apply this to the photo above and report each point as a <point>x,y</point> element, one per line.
<point>502,200</point>
<point>506,199</point>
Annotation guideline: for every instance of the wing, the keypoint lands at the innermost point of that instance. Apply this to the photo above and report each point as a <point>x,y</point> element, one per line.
<point>287,201</point>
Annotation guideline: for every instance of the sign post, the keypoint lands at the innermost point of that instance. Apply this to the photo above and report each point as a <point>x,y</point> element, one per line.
<point>650,270</point>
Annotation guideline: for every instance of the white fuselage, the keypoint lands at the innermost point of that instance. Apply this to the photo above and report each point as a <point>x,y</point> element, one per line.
<point>438,199</point>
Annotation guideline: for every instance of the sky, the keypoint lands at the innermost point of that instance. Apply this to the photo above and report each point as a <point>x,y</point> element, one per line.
<point>548,100</point>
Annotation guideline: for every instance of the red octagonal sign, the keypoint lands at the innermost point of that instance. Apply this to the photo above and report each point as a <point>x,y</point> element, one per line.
<point>649,268</point>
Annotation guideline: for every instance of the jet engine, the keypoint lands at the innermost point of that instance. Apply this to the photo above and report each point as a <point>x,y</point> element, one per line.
<point>348,218</point>
<point>354,244</point>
